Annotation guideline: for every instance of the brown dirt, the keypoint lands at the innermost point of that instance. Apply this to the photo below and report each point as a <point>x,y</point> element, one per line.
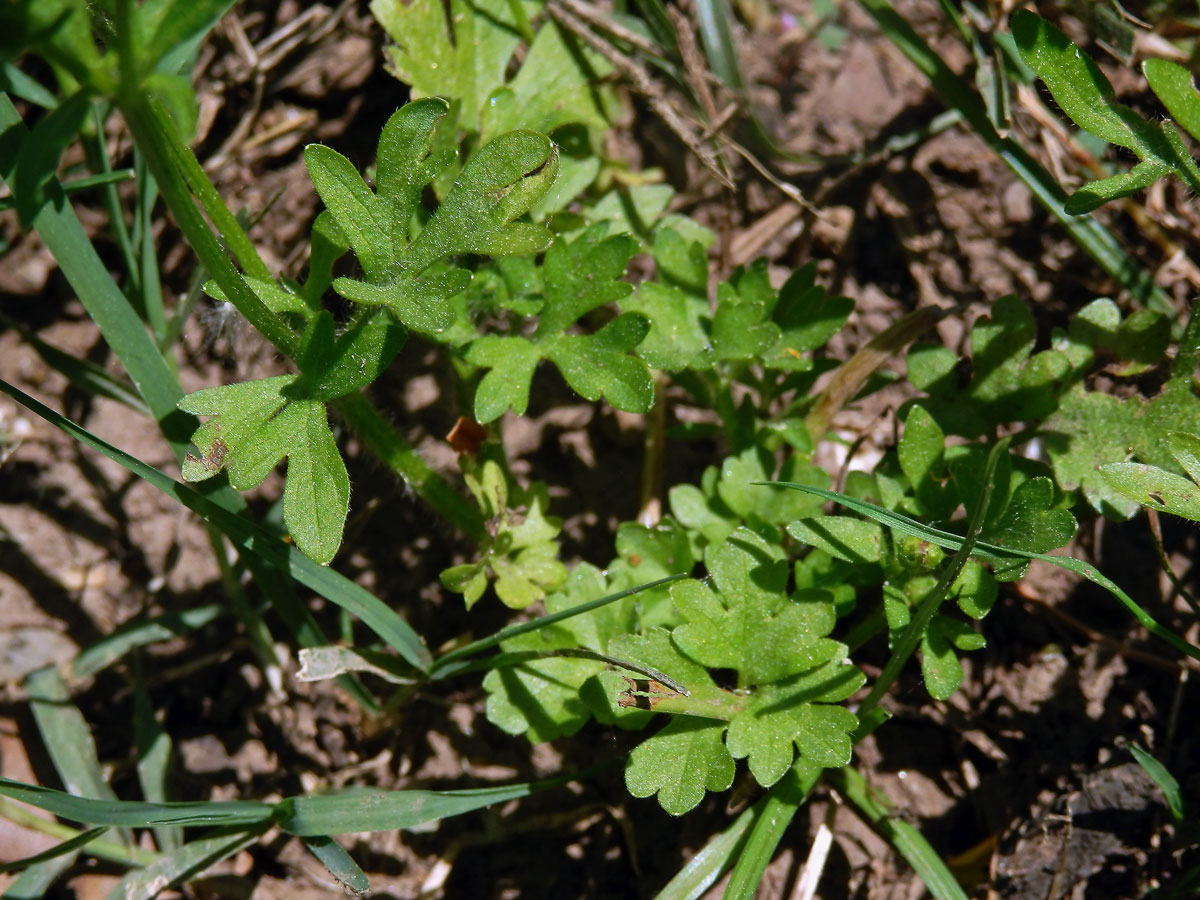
<point>1021,779</point>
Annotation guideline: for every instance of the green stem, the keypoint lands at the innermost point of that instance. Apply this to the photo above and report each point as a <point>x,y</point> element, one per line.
<point>156,139</point>
<point>929,605</point>
<point>401,457</point>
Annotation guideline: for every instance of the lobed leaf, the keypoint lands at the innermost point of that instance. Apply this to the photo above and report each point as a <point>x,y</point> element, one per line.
<point>256,424</point>
<point>683,760</point>
<point>578,276</point>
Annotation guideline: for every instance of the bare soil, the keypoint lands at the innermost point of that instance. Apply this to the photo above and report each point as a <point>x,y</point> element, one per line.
<point>1022,779</point>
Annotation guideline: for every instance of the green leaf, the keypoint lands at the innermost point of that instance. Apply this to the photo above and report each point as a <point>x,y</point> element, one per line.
<point>647,554</point>
<point>1091,429</point>
<point>1134,344</point>
<point>353,206</point>
<point>333,856</point>
<point>499,184</point>
<point>520,549</point>
<point>582,275</point>
<point>1166,782</point>
<point>762,645</point>
<point>792,713</point>
<point>747,567</point>
<point>741,490</point>
<point>1085,95</point>
<point>854,540</point>
<point>807,317</point>
<point>578,276</point>
<point>1077,83</point>
<point>459,52</point>
<point>1152,487</point>
<point>555,86</point>
<point>41,150</point>
<point>904,525</point>
<point>408,161</point>
<point>254,425</point>
<point>976,590</point>
<point>541,698</point>
<point>677,338</point>
<point>1175,88</point>
<point>939,664</point>
<point>742,328</point>
<point>1009,383</point>
<point>919,453</point>
<point>600,365</point>
<point>1185,450</point>
<point>1030,522</point>
<point>683,760</point>
<point>335,366</point>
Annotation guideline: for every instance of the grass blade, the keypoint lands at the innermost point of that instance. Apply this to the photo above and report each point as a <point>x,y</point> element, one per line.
<point>186,862</point>
<point>1165,780</point>
<point>66,735</point>
<point>984,550</point>
<point>782,802</point>
<point>903,836</point>
<point>87,376</point>
<point>99,847</point>
<point>137,813</point>
<point>333,856</point>
<point>64,236</point>
<point>454,661</point>
<point>14,81</point>
<point>153,758</point>
<point>34,883</point>
<point>368,809</point>
<point>249,537</point>
<point>351,811</point>
<point>68,846</point>
<point>714,860</point>
<point>129,637</point>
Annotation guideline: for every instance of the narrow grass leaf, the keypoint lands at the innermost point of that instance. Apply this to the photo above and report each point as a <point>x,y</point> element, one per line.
<point>1164,779</point>
<point>17,83</point>
<point>83,374</point>
<point>34,883</point>
<point>247,536</point>
<point>66,735</point>
<point>113,647</point>
<point>367,809</point>
<point>153,758</point>
<point>715,859</point>
<point>333,856</point>
<point>958,94</point>
<point>903,836</point>
<point>69,846</point>
<point>136,813</point>
<point>782,802</point>
<point>67,241</point>
<point>175,868</point>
